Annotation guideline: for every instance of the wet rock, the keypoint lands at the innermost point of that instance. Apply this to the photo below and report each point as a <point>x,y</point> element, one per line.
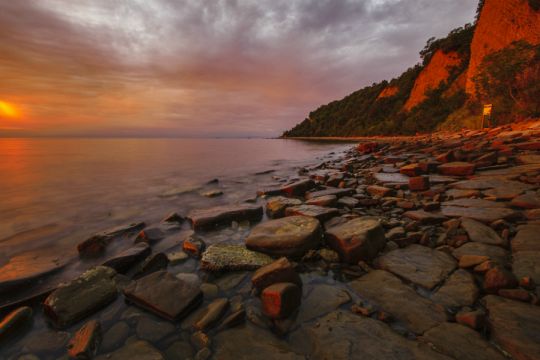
<point>226,257</point>
<point>386,291</point>
<point>298,188</point>
<point>458,290</point>
<point>173,218</point>
<point>222,215</point>
<point>200,340</point>
<point>485,215</point>
<point>127,258</point>
<point>526,239</point>
<point>348,202</point>
<point>527,264</point>
<point>153,263</point>
<point>483,183</point>
<point>138,349</point>
<point>481,233</point>
<point>467,261</point>
<point>411,170</point>
<point>457,169</point>
<point>327,201</point>
<point>289,236</point>
<point>46,342</point>
<point>115,336</point>
<point>153,330</point>
<point>177,257</point>
<point>330,256</point>
<point>79,298</point>
<point>418,264</point>
<point>179,350</point>
<point>234,319</point>
<point>97,243</point>
<point>377,190</point>
<point>321,299</point>
<point>318,212</point>
<point>14,321</point>
<point>280,300</point>
<point>86,340</point>
<point>212,314</point>
<point>419,183</point>
<point>499,278</point>
<point>473,319</point>
<point>461,194</point>
<point>425,217</point>
<point>165,295</point>
<point>329,191</point>
<point>391,178</point>
<point>212,193</point>
<point>515,326</point>
<point>279,271</point>
<point>515,294</point>
<point>194,245</point>
<point>357,239</point>
<point>526,201</point>
<point>475,203</point>
<point>478,249</point>
<point>460,342</point>
<point>275,207</point>
<point>150,236</point>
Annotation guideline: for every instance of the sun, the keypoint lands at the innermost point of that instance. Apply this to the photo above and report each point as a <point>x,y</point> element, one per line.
<point>8,110</point>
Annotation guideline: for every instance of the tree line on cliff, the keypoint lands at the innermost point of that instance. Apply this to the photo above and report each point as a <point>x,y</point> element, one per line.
<point>509,79</point>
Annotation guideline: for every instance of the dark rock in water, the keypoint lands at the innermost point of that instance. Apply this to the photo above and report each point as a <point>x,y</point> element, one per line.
<point>173,218</point>
<point>418,264</point>
<point>150,236</point>
<point>165,295</point>
<point>85,342</point>
<point>154,263</point>
<point>357,239</point>
<point>227,257</point>
<point>298,188</point>
<point>127,258</point>
<point>115,336</point>
<point>479,232</point>
<point>326,200</point>
<point>235,318</point>
<point>275,207</point>
<point>460,342</point>
<point>79,298</point>
<point>289,236</point>
<point>153,330</point>
<point>208,218</point>
<point>97,244</point>
<point>194,245</point>
<point>320,299</point>
<point>138,349</point>
<point>280,300</point>
<point>515,326</point>
<point>320,213</point>
<point>46,342</point>
<point>212,314</point>
<point>386,291</point>
<point>329,191</point>
<point>279,271</point>
<point>14,321</point>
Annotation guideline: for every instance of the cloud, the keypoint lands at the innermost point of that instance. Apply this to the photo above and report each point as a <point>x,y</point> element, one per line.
<point>205,67</point>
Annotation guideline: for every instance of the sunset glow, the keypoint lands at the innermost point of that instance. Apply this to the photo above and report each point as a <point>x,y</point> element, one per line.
<point>8,110</point>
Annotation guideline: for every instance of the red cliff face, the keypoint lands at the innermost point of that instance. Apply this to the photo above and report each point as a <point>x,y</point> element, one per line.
<point>388,92</point>
<point>431,76</point>
<point>501,22</point>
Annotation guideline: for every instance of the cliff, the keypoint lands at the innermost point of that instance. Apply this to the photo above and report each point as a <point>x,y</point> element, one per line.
<point>500,23</point>
<point>388,91</point>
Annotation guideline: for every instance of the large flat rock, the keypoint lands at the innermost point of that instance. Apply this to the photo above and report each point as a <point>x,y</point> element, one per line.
<point>483,183</point>
<point>320,300</point>
<point>289,236</point>
<point>527,239</point>
<point>478,249</point>
<point>320,213</point>
<point>386,291</point>
<point>476,203</point>
<point>485,215</point>
<point>228,257</point>
<point>338,192</point>
<point>527,263</point>
<point>418,264</point>
<point>457,291</point>
<point>515,326</point>
<point>222,215</point>
<point>479,232</point>
<point>139,350</point>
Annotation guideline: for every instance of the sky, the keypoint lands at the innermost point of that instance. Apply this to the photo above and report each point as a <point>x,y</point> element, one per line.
<point>200,68</point>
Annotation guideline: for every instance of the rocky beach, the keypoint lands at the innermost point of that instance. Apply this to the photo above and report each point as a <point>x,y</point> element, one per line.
<point>421,247</point>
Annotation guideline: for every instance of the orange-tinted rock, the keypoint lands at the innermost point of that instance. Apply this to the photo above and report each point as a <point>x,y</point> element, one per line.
<point>298,188</point>
<point>499,278</point>
<point>419,183</point>
<point>277,272</point>
<point>377,190</point>
<point>411,170</point>
<point>515,294</point>
<point>280,300</point>
<point>221,215</point>
<point>86,340</point>
<point>473,319</point>
<point>467,261</point>
<point>367,148</point>
<point>14,320</point>
<point>457,169</point>
<point>425,217</point>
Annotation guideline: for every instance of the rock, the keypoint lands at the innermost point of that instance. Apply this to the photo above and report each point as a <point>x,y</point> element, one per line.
<point>344,336</point>
<point>473,319</point>
<point>321,299</point>
<point>495,253</point>
<point>221,215</point>
<point>212,193</point>
<point>165,295</point>
<point>425,217</point>
<point>173,218</point>
<point>377,190</point>
<point>327,201</point>
<point>418,264</point>
<point>153,330</point>
<point>127,258</point>
<point>391,178</point>
<point>460,194</point>
<point>396,233</point>
<point>419,183</point>
<point>200,340</point>
<point>411,170</point>
<point>460,342</point>
<point>45,342</point>
<point>318,212</point>
<point>194,245</point>
<point>275,207</point>
<point>459,290</point>
<point>348,202</point>
<point>226,257</point>
<point>14,321</point>
<point>97,243</point>
<point>357,239</point>
<point>526,201</point>
<point>179,350</point>
<point>139,349</point>
<point>153,263</point>
<point>289,236</point>
<point>329,256</point>
<point>235,318</point>
<point>457,169</point>
<point>115,336</point>
<point>386,291</point>
<point>212,314</point>
<point>485,182</point>
<point>79,298</point>
<point>177,257</point>
<point>467,261</point>
<point>150,236</point>
<point>527,264</point>
<point>85,342</point>
<point>526,239</point>
<point>485,215</point>
<point>475,203</point>
<point>329,191</point>
<point>515,326</point>
<point>481,233</point>
<point>279,271</point>
<point>498,278</point>
<point>515,294</point>
<point>280,300</point>
<point>298,188</point>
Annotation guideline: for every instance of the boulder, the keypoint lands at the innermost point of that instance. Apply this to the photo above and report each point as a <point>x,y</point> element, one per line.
<point>329,191</point>
<point>289,236</point>
<point>492,252</point>
<point>459,290</point>
<point>227,257</point>
<point>481,233</point>
<point>357,239</point>
<point>96,244</point>
<point>485,215</point>
<point>279,271</point>
<point>84,344</point>
<point>81,297</point>
<point>318,212</point>
<point>425,217</point>
<point>127,258</point>
<point>165,295</point>
<point>223,215</point>
<point>275,207</point>
<point>418,264</point>
<point>457,169</point>
<point>326,200</point>
<point>298,188</point>
<point>280,300</point>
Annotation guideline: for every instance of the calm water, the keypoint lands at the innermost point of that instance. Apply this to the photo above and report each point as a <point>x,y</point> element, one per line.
<point>54,193</point>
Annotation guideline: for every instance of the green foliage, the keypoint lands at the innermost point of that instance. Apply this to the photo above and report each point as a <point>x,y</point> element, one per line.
<point>458,40</point>
<point>479,9</point>
<point>510,79</point>
<point>535,4</point>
